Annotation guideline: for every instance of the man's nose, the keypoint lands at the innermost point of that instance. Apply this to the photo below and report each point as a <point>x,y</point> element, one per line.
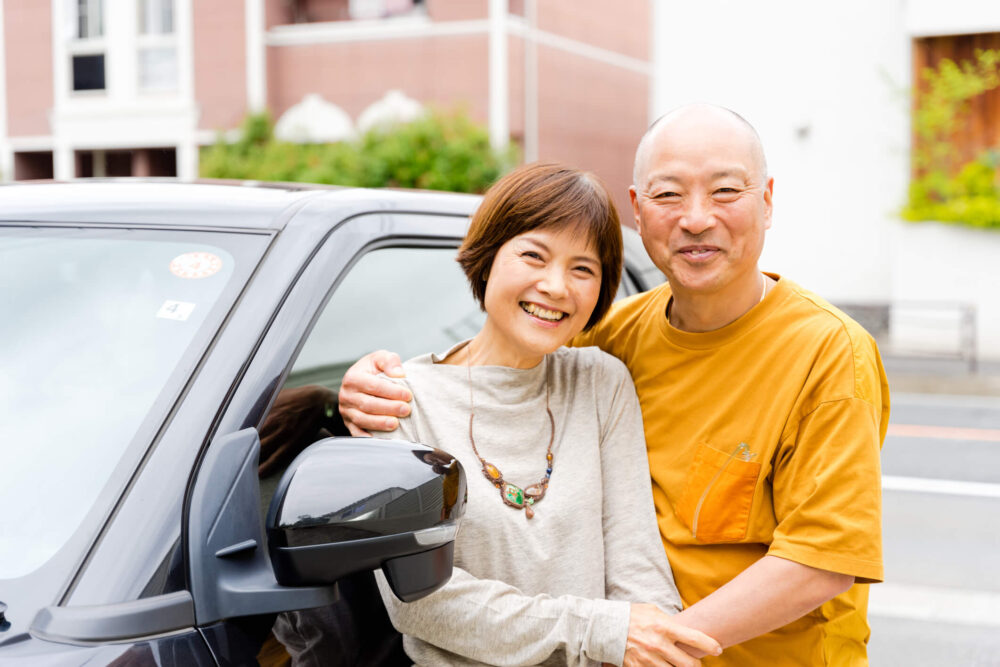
<point>697,217</point>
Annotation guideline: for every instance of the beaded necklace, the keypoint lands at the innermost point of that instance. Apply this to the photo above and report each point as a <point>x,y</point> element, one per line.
<point>511,494</point>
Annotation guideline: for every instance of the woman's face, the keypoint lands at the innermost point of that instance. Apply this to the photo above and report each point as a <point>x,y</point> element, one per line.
<point>542,288</point>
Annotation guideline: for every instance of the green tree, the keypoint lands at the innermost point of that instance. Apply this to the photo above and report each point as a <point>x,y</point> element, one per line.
<point>440,151</point>
<point>943,187</point>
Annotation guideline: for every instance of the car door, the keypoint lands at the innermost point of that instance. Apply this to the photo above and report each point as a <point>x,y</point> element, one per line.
<point>378,280</point>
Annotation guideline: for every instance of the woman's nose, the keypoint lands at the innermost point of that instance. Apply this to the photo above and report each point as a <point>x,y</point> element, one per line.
<point>553,283</point>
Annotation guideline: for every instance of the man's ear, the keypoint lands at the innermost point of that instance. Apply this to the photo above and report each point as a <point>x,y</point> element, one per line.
<point>634,197</point>
<point>768,194</point>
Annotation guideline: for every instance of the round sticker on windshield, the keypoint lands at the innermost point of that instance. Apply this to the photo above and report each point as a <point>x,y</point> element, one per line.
<point>195,265</point>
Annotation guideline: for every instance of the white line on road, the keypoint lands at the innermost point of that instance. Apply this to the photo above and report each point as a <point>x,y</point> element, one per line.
<point>946,400</point>
<point>952,487</point>
<point>926,603</point>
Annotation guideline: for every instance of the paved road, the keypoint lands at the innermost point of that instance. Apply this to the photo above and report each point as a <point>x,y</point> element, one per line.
<point>940,604</point>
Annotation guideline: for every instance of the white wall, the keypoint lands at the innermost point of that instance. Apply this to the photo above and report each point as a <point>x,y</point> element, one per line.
<point>823,84</point>
<point>948,264</point>
<point>826,85</point>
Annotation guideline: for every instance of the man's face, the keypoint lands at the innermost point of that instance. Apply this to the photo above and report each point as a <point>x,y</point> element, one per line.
<point>702,205</point>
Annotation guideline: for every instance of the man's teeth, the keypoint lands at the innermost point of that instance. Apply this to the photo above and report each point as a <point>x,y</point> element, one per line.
<point>538,311</point>
<point>698,253</point>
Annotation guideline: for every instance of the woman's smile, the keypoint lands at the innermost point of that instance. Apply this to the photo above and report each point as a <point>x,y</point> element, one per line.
<point>548,316</point>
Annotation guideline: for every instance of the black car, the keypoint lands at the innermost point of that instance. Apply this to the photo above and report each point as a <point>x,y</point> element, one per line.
<point>169,353</point>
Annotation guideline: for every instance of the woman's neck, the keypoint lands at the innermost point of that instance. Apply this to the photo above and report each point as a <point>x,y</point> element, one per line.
<point>490,348</point>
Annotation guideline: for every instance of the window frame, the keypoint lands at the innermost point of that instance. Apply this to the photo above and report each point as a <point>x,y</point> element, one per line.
<point>154,41</point>
<point>77,45</point>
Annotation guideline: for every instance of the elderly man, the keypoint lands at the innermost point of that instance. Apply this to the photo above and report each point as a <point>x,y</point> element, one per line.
<point>764,406</point>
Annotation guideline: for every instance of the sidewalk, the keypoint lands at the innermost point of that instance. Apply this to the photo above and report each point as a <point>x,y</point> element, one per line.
<point>941,376</point>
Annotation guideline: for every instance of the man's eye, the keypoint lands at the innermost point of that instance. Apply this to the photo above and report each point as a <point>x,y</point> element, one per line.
<point>666,195</point>
<point>727,191</point>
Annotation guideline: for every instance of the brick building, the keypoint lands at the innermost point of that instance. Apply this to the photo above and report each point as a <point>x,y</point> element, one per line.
<point>135,87</point>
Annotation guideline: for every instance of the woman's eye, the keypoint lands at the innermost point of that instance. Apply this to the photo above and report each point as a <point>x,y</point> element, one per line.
<point>531,254</point>
<point>585,269</point>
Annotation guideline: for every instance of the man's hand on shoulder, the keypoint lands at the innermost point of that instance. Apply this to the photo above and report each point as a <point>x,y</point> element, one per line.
<point>369,402</point>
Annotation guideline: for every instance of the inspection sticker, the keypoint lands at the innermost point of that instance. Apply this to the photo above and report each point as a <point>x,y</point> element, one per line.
<point>175,310</point>
<point>195,265</point>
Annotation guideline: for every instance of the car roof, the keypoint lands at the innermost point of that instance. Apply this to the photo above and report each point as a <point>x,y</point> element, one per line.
<point>219,204</point>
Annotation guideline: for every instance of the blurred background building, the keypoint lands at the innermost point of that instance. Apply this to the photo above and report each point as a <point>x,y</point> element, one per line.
<point>138,87</point>
<point>135,87</point>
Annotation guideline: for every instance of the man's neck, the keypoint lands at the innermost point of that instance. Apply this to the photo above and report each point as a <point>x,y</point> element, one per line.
<point>698,312</point>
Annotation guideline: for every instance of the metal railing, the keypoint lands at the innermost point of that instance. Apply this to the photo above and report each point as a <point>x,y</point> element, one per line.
<point>921,329</point>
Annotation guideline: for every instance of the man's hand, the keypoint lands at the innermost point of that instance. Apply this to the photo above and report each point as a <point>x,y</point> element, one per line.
<point>653,639</point>
<point>368,402</point>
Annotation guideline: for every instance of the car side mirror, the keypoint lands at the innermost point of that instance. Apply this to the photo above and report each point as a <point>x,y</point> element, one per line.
<point>346,505</point>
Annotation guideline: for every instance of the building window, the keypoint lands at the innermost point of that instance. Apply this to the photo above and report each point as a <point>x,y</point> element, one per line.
<point>86,47</point>
<point>88,72</point>
<point>977,131</point>
<point>157,45</point>
<point>89,19</point>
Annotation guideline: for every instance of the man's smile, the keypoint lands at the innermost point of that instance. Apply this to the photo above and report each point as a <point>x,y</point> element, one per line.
<point>698,253</point>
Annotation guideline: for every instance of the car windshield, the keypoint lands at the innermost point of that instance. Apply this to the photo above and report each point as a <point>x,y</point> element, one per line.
<point>96,337</point>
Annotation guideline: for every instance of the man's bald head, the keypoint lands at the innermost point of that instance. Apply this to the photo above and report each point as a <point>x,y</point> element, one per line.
<point>699,116</point>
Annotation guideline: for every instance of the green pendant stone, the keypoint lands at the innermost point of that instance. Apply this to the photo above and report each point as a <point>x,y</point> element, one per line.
<point>513,495</point>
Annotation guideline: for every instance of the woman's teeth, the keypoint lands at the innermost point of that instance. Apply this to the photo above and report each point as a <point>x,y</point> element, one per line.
<point>537,311</point>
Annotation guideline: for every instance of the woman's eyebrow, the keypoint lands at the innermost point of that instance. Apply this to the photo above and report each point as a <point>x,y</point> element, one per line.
<point>578,258</point>
<point>588,259</point>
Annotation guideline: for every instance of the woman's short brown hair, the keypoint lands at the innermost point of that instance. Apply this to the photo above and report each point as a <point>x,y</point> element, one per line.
<point>545,195</point>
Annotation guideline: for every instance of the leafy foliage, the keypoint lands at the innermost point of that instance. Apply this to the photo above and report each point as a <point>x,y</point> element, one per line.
<point>944,188</point>
<point>440,151</point>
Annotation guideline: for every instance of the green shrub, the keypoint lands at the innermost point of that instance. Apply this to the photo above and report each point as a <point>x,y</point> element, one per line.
<point>945,188</point>
<point>440,151</point>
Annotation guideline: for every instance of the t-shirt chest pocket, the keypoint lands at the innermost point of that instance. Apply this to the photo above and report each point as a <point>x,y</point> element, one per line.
<point>718,494</point>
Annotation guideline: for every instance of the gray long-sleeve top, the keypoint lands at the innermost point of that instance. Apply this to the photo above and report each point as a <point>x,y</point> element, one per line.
<point>554,589</point>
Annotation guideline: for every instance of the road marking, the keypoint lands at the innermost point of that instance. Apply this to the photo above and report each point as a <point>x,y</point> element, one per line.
<point>965,401</point>
<point>926,603</point>
<point>952,487</point>
<point>944,432</point>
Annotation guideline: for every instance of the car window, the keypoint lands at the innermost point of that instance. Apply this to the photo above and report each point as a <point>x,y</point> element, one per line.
<point>99,329</point>
<point>408,300</point>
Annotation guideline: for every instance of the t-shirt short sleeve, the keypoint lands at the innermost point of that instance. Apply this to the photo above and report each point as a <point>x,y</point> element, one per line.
<point>827,491</point>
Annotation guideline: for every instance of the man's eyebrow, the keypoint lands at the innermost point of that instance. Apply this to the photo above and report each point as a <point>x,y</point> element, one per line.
<point>726,173</point>
<point>663,178</point>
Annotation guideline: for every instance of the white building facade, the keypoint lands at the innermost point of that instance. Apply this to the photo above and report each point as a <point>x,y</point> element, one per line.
<point>827,86</point>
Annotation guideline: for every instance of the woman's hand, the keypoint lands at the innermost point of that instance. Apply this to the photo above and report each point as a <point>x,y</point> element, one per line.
<point>654,638</point>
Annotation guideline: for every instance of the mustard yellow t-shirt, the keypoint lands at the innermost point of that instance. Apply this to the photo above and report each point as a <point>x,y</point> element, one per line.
<point>763,438</point>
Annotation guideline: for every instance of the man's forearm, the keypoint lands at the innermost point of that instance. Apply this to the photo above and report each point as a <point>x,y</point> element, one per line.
<point>767,595</point>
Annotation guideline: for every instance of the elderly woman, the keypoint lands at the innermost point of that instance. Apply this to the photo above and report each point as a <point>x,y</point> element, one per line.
<point>559,544</point>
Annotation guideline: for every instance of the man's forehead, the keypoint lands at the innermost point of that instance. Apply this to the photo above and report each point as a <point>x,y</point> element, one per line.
<point>673,170</point>
<point>693,136</point>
